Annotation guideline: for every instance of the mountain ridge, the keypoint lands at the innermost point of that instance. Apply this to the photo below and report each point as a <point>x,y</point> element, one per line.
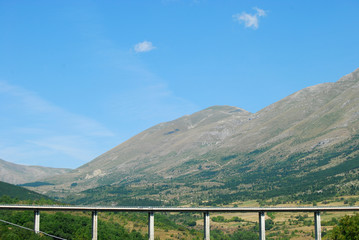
<point>19,174</point>
<point>220,144</point>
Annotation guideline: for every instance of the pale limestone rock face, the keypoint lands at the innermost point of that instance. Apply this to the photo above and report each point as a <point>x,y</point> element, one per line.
<point>96,173</point>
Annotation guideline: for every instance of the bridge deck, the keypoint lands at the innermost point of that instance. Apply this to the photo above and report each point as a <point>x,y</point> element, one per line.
<point>180,209</point>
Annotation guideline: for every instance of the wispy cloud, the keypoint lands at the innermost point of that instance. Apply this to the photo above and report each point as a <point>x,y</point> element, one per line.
<point>29,103</point>
<point>260,12</point>
<point>35,131</point>
<point>250,20</point>
<point>150,104</point>
<point>144,46</point>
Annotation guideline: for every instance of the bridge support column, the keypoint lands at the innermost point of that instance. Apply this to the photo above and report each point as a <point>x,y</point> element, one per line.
<point>94,225</point>
<point>318,230</point>
<point>207,228</point>
<point>151,226</point>
<point>37,221</point>
<point>262,230</point>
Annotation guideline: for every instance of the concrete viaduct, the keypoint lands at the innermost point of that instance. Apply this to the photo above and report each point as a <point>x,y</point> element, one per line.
<point>205,210</point>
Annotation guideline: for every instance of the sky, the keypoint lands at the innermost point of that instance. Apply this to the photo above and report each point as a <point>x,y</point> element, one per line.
<point>77,78</point>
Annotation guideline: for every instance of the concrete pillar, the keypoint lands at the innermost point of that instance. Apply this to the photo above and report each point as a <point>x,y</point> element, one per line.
<point>151,226</point>
<point>94,225</point>
<point>37,221</point>
<point>207,227</point>
<point>262,230</point>
<point>318,230</point>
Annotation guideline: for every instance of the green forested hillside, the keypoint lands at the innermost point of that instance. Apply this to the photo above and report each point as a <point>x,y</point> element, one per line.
<point>20,193</point>
<point>304,177</point>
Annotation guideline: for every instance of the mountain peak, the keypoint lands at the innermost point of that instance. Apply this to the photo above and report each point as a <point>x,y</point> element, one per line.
<point>225,108</point>
<point>229,147</point>
<point>352,77</point>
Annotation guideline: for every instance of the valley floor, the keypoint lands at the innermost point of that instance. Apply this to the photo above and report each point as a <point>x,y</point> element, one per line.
<point>225,225</point>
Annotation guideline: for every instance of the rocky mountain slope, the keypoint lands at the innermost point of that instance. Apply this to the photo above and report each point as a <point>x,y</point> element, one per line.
<point>18,174</point>
<point>226,152</point>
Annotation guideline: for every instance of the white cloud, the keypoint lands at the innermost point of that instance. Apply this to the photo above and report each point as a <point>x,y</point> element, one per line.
<point>74,147</point>
<point>29,104</point>
<point>260,12</point>
<point>144,46</point>
<point>250,20</point>
<point>35,131</point>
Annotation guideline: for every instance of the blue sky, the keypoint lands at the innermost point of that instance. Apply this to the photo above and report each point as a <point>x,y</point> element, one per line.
<point>79,77</point>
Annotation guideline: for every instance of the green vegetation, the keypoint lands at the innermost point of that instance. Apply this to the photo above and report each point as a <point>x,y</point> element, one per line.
<point>347,229</point>
<point>239,234</point>
<point>295,178</point>
<point>35,184</point>
<point>176,225</point>
<point>222,219</point>
<point>112,225</point>
<point>292,179</point>
<point>68,226</point>
<point>7,189</point>
<point>64,225</point>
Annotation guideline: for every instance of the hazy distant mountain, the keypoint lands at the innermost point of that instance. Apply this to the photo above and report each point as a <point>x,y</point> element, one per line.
<point>306,143</point>
<point>18,174</point>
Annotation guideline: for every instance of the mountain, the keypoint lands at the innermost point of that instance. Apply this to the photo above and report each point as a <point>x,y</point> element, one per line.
<point>18,174</point>
<point>304,146</point>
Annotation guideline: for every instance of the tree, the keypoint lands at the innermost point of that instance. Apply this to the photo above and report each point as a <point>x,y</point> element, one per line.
<point>347,229</point>
<point>269,224</point>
